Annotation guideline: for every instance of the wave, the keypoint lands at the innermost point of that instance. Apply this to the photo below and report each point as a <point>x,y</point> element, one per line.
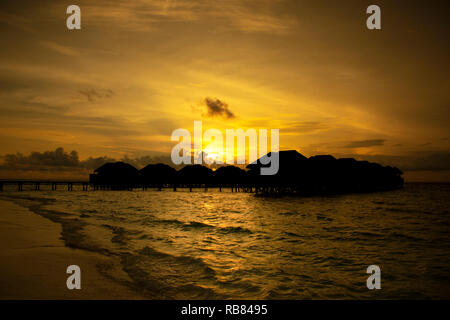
<point>389,203</point>
<point>321,217</point>
<point>90,211</point>
<point>196,225</point>
<point>289,213</point>
<point>406,210</point>
<point>235,230</point>
<point>169,276</point>
<point>398,235</point>
<point>165,251</point>
<point>120,234</point>
<point>292,234</point>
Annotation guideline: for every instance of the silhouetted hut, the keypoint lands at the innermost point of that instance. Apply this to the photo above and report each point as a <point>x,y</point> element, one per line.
<point>229,175</point>
<point>115,175</point>
<point>290,168</point>
<point>158,174</point>
<point>195,174</point>
<point>324,174</point>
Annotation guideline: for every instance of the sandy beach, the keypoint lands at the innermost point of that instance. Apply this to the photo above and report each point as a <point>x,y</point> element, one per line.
<point>34,261</point>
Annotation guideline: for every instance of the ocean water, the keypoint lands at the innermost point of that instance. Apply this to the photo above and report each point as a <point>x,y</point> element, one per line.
<point>214,245</point>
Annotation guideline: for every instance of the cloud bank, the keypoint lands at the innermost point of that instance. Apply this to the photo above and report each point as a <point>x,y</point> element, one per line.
<point>60,163</point>
<point>365,143</point>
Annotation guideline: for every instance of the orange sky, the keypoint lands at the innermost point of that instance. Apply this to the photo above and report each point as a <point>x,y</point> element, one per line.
<point>140,69</point>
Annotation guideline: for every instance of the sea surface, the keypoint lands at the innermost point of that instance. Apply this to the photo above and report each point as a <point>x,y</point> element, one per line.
<point>223,245</point>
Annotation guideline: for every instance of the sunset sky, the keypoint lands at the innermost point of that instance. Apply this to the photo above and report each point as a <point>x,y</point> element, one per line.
<point>137,70</point>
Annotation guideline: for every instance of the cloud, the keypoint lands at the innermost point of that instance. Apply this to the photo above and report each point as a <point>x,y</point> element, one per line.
<point>140,162</point>
<point>59,164</point>
<point>16,21</point>
<point>423,161</point>
<point>253,16</point>
<point>64,50</point>
<point>57,119</point>
<point>437,161</point>
<point>304,127</point>
<point>95,94</point>
<point>365,143</point>
<point>251,23</point>
<point>218,108</point>
<point>56,160</point>
<point>38,160</point>
<point>61,160</point>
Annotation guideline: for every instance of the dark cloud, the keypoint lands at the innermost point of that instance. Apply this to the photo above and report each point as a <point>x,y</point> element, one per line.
<point>438,161</point>
<point>304,127</point>
<point>218,108</point>
<point>57,158</point>
<point>365,143</point>
<point>424,161</point>
<point>95,94</point>
<point>50,160</point>
<point>61,160</point>
<point>140,162</point>
<point>93,163</point>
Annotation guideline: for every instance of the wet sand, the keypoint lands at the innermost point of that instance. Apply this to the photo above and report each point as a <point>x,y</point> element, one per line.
<point>33,261</point>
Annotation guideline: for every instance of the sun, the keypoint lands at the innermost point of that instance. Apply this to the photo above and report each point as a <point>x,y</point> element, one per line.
<point>213,155</point>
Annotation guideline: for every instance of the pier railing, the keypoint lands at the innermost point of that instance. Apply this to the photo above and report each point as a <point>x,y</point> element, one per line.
<point>257,188</point>
<point>37,185</point>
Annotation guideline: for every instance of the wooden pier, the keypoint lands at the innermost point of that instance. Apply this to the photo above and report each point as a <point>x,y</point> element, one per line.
<point>257,189</point>
<point>41,185</point>
<point>38,185</point>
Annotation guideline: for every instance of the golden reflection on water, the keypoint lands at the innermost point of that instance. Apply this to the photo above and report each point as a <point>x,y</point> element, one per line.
<point>234,245</point>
